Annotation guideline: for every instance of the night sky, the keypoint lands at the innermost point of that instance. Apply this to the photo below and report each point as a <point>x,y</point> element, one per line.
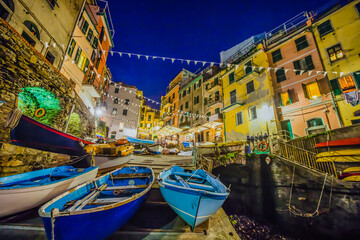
<point>196,29</point>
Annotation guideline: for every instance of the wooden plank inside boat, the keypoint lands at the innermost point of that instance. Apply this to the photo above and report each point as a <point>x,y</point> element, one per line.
<point>131,175</point>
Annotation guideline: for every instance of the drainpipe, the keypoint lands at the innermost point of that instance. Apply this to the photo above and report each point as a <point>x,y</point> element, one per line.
<point>72,34</point>
<point>327,82</point>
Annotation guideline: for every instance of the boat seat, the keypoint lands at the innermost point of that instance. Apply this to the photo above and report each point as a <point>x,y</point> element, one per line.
<point>181,181</point>
<point>103,201</point>
<point>128,187</point>
<point>202,187</point>
<point>131,175</point>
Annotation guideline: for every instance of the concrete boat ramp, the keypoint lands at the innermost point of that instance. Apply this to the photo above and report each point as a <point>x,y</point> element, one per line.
<point>154,220</point>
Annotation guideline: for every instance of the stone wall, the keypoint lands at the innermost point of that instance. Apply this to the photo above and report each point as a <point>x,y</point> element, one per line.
<point>22,66</point>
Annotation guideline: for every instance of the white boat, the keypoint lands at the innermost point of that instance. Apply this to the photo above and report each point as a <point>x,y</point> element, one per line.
<point>185,153</point>
<point>25,191</point>
<point>156,148</point>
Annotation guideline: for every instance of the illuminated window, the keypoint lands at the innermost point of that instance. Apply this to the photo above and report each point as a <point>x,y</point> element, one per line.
<point>114,111</point>
<point>347,83</point>
<point>285,98</point>
<point>311,90</point>
<point>82,60</point>
<point>77,56</point>
<point>335,53</point>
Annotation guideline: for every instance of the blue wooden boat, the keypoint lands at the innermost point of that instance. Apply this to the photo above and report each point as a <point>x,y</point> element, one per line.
<point>193,195</point>
<point>141,141</point>
<point>98,208</point>
<point>33,134</point>
<point>25,191</point>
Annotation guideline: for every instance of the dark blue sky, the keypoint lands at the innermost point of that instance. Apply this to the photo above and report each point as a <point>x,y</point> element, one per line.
<point>196,29</point>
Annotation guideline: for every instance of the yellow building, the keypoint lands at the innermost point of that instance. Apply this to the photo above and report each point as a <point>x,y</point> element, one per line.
<point>248,95</point>
<point>337,35</point>
<point>149,122</point>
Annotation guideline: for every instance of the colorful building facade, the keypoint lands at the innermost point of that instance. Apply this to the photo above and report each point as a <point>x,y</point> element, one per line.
<point>303,101</point>
<point>248,94</point>
<point>337,35</point>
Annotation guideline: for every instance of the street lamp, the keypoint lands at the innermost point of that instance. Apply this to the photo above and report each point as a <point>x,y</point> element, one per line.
<point>98,112</point>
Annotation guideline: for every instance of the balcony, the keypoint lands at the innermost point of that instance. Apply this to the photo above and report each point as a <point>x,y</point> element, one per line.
<point>214,101</point>
<point>214,86</point>
<point>166,116</point>
<point>216,117</point>
<point>166,103</point>
<point>237,101</point>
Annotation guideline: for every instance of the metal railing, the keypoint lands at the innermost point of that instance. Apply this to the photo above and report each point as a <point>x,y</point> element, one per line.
<point>303,157</point>
<point>289,26</point>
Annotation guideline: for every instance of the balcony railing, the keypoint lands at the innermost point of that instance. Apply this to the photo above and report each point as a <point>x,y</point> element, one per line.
<point>213,85</point>
<point>246,98</point>
<point>214,100</point>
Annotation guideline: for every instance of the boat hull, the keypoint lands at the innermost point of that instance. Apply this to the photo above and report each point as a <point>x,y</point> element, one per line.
<point>142,141</point>
<point>22,199</point>
<point>155,149</point>
<point>340,143</point>
<point>95,225</point>
<point>193,208</point>
<point>33,134</point>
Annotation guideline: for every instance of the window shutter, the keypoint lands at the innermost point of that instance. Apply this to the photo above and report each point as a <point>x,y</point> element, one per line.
<point>288,91</point>
<point>335,87</point>
<point>305,91</point>
<point>357,78</point>
<point>309,63</point>
<point>323,87</point>
<point>279,99</point>
<point>297,66</point>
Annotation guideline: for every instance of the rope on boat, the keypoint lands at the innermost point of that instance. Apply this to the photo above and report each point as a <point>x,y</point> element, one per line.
<point>53,212</point>
<point>298,212</point>
<point>13,118</point>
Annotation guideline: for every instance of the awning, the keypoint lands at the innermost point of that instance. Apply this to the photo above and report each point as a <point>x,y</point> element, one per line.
<point>198,129</point>
<point>213,124</point>
<point>168,130</point>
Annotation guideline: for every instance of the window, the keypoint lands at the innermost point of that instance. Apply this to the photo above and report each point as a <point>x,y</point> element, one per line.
<point>50,57</point>
<point>205,101</point>
<point>233,96</point>
<point>89,35</point>
<point>284,98</point>
<point>181,107</point>
<point>304,64</point>
<point>28,39</point>
<point>199,83</point>
<point>196,100</point>
<point>125,112</point>
<point>52,3</point>
<point>116,100</point>
<point>248,67</point>
<point>325,28</point>
<point>194,86</point>
<point>186,105</point>
<point>86,66</point>
<point>239,118</point>
<point>114,111</point>
<point>207,86</point>
<point>81,62</point>
<point>78,54</point>
<point>217,110</point>
<point>252,113</point>
<point>217,96</point>
<point>141,125</point>
<point>173,96</point>
<point>71,47</point>
<point>127,101</point>
<point>335,53</point>
<point>188,90</point>
<point>208,114</point>
<point>280,75</point>
<point>116,90</point>
<point>315,122</point>
<point>184,93</point>
<point>197,115</point>
<point>301,43</point>
<point>32,28</point>
<point>311,90</point>
<point>85,27</point>
<point>231,78</point>
<point>250,87</point>
<point>347,83</point>
<point>142,118</point>
<point>95,43</point>
<point>149,118</point>
<point>357,7</point>
<point>6,9</point>
<point>216,81</point>
<point>102,32</point>
<point>276,55</point>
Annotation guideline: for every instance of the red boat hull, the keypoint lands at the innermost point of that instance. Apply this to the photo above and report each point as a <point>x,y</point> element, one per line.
<point>338,143</point>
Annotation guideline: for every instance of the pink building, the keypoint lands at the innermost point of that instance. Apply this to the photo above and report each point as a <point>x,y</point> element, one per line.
<point>304,102</point>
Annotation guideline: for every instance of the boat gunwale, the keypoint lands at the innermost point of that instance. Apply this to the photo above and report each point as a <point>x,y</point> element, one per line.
<point>163,184</point>
<point>47,184</point>
<point>42,213</point>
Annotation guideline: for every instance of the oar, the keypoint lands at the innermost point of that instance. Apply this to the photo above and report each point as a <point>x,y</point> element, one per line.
<point>72,208</point>
<point>98,191</point>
